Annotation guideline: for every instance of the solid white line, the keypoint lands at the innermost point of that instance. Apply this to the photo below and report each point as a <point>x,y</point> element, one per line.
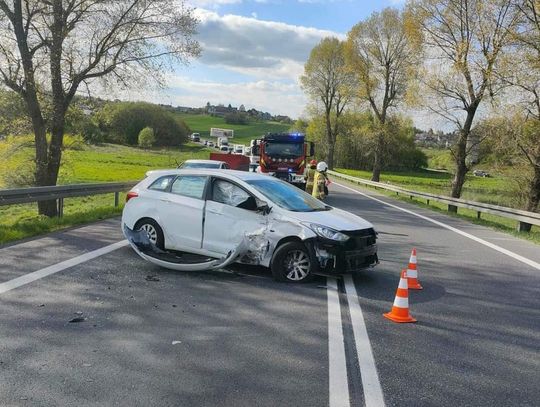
<point>55,268</point>
<point>453,229</point>
<point>373,393</point>
<point>338,385</point>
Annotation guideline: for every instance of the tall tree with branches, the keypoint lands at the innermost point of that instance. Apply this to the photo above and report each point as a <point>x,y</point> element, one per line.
<point>380,55</point>
<point>463,42</point>
<point>328,82</point>
<point>49,49</point>
<point>523,74</point>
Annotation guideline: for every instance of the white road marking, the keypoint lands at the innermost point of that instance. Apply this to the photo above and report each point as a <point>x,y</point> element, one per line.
<point>55,268</point>
<point>453,229</point>
<point>338,385</point>
<point>373,393</point>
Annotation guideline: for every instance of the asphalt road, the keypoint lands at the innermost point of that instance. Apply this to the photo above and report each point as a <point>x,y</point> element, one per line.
<point>153,337</point>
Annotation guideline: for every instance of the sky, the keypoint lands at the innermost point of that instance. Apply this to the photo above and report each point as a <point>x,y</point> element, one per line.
<point>253,51</point>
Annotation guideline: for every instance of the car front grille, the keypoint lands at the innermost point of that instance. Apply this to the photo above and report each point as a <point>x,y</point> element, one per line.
<point>360,239</point>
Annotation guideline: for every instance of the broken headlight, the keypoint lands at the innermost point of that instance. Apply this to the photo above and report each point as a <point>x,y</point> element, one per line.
<point>327,233</point>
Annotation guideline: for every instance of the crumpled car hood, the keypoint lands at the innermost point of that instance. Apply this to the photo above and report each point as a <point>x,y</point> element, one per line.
<point>335,218</point>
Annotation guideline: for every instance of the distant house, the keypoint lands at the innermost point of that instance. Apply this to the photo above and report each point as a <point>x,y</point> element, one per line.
<point>221,111</point>
<point>283,119</point>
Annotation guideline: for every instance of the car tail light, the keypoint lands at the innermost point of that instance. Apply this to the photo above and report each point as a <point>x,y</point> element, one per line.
<point>130,195</point>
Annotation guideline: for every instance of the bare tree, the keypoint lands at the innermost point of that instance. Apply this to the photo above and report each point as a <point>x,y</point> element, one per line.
<point>523,73</point>
<point>327,81</point>
<point>50,48</point>
<point>463,41</point>
<point>379,54</point>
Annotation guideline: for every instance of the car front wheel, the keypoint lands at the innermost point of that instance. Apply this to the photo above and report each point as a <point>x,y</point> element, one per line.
<point>293,263</point>
<point>153,231</point>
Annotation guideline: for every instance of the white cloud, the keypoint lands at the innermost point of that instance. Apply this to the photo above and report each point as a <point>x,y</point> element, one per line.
<point>256,47</point>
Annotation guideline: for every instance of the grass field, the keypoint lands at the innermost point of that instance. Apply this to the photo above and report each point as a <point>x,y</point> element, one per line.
<point>495,190</point>
<point>106,163</point>
<point>489,190</point>
<point>243,134</point>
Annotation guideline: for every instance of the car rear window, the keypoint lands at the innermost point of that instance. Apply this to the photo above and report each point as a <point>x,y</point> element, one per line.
<point>200,165</point>
<point>162,183</point>
<point>189,185</point>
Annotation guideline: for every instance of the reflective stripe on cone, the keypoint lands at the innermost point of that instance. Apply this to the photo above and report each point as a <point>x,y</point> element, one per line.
<point>400,308</point>
<point>412,273</point>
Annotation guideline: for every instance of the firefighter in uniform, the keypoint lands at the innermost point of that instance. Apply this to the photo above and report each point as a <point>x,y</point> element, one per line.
<point>309,176</point>
<point>319,183</point>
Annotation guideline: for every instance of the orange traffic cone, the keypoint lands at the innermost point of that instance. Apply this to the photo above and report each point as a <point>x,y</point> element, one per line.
<point>412,273</point>
<point>400,309</point>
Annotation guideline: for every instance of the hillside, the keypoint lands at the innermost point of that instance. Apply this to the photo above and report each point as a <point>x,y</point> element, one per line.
<point>242,133</point>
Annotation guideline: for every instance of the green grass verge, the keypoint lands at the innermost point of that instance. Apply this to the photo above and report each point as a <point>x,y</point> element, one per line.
<point>85,164</point>
<point>494,190</point>
<point>492,221</point>
<point>243,134</point>
<point>21,221</point>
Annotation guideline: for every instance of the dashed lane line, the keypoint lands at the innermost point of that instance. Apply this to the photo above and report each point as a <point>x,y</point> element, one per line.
<point>453,229</point>
<point>373,394</point>
<point>338,385</point>
<point>55,268</point>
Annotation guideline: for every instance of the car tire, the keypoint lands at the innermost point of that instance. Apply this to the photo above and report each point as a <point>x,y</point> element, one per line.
<point>293,263</point>
<point>154,231</point>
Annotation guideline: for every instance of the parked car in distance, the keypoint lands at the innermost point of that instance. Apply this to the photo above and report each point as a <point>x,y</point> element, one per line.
<point>239,149</point>
<point>224,148</point>
<point>481,173</point>
<point>196,137</point>
<point>210,212</point>
<point>210,144</point>
<point>213,164</point>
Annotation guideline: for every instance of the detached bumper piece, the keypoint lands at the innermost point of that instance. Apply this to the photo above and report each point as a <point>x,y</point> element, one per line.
<point>176,260</point>
<point>357,253</point>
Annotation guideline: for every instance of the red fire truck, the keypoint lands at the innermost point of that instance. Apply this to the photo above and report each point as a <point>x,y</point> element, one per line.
<point>285,155</point>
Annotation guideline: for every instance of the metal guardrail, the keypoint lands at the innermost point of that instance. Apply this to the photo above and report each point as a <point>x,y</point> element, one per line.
<point>524,218</point>
<point>60,192</point>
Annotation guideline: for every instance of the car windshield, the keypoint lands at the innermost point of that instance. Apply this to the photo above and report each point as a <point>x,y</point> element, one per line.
<point>287,196</point>
<point>284,149</point>
<point>200,165</point>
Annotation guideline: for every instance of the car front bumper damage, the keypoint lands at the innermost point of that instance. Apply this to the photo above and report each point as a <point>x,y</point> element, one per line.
<point>359,252</point>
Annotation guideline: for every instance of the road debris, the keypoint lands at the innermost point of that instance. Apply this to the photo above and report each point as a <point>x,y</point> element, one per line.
<point>77,319</point>
<point>151,278</point>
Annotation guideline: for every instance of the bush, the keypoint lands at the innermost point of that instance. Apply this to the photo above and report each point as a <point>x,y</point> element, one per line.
<point>146,137</point>
<point>123,121</point>
<point>236,118</point>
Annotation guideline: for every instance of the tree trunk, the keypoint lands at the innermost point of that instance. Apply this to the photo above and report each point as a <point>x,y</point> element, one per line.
<point>461,158</point>
<point>330,156</point>
<point>54,156</point>
<point>534,190</point>
<point>378,158</point>
<point>329,140</point>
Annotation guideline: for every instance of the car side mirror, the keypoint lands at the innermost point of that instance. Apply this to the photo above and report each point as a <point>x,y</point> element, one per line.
<point>263,207</point>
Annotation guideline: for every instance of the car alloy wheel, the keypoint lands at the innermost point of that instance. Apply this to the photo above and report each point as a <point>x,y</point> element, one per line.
<point>151,232</point>
<point>297,265</point>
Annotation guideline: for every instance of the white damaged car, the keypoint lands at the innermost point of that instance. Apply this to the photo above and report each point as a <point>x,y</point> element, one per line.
<point>206,219</point>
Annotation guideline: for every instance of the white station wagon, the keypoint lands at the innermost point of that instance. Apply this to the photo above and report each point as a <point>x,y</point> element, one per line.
<point>243,217</point>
